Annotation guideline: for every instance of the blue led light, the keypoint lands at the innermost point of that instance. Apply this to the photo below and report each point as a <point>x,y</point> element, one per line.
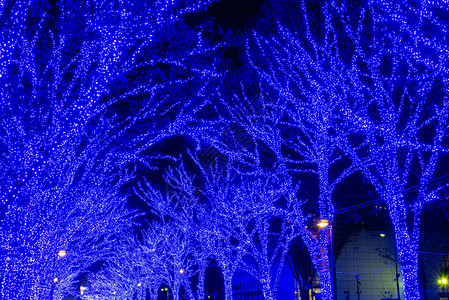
<point>69,71</point>
<point>88,89</point>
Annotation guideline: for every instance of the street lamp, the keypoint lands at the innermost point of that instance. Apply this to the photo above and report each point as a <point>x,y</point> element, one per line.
<point>82,289</point>
<point>143,290</point>
<point>165,289</point>
<point>442,281</point>
<point>60,254</point>
<point>323,223</point>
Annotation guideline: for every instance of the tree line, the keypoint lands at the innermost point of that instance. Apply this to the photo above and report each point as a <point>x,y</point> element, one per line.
<point>91,90</point>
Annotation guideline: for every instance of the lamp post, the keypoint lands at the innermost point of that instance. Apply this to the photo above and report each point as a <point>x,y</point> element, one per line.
<point>357,278</point>
<point>382,235</point>
<point>323,223</point>
<point>165,289</point>
<point>182,271</point>
<point>140,285</point>
<point>61,254</point>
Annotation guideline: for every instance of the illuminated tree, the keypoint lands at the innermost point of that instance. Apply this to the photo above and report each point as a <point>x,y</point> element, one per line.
<point>133,268</point>
<point>373,67</point>
<point>179,259</point>
<point>209,213</point>
<point>295,117</point>
<point>399,70</point>
<point>356,87</point>
<point>224,223</point>
<point>186,252</point>
<point>250,223</point>
<point>267,206</point>
<point>290,119</point>
<point>74,215</point>
<point>86,90</point>
<point>162,255</point>
<point>190,211</point>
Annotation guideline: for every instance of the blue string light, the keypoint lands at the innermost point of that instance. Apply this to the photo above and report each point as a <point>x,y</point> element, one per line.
<point>370,85</point>
<point>88,88</point>
<point>83,95</point>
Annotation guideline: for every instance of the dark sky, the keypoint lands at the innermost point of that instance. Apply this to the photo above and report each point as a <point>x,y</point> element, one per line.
<point>234,14</point>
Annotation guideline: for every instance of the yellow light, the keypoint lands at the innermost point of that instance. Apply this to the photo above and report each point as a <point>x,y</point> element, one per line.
<point>55,279</point>
<point>444,281</point>
<point>382,235</point>
<point>62,253</point>
<point>162,290</point>
<point>323,223</point>
<point>181,271</point>
<point>139,284</point>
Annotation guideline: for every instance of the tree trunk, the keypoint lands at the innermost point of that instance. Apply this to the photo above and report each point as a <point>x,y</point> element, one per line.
<point>326,284</point>
<point>228,286</point>
<point>407,252</point>
<point>200,286</point>
<point>188,290</point>
<point>303,294</point>
<point>406,238</point>
<point>267,291</point>
<point>175,291</point>
<point>320,260</point>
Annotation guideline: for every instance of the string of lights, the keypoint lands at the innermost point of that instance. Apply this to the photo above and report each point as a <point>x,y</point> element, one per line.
<point>393,121</point>
<point>83,94</point>
<point>374,201</point>
<point>440,262</point>
<point>89,89</point>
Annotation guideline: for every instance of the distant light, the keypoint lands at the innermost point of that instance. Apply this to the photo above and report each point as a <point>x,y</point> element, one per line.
<point>139,284</point>
<point>162,290</point>
<point>82,289</point>
<point>439,281</point>
<point>444,281</point>
<point>62,253</point>
<point>382,235</point>
<point>181,271</point>
<point>55,279</point>
<point>323,223</point>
